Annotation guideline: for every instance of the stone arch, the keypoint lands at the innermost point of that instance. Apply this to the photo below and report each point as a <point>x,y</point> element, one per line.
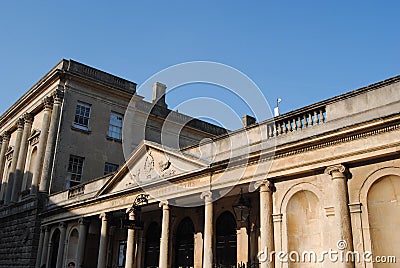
<point>152,247</point>
<point>54,242</point>
<point>380,197</point>
<point>184,244</point>
<point>226,240</point>
<point>73,237</point>
<point>31,161</point>
<point>302,219</point>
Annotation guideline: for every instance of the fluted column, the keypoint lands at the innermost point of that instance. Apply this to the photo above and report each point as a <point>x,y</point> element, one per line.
<point>342,213</point>
<point>83,229</point>
<point>19,172</point>
<point>102,258</point>
<point>11,173</point>
<point>4,147</point>
<point>40,248</point>
<point>44,133</point>
<point>45,248</point>
<point>266,223</point>
<point>163,263</point>
<point>51,143</point>
<point>61,245</point>
<point>130,243</point>
<point>208,229</point>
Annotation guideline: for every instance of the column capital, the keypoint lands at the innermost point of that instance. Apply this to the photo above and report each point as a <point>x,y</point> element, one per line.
<point>6,136</point>
<point>336,171</point>
<point>104,216</point>
<point>58,95</point>
<point>20,123</point>
<point>47,103</point>
<point>62,225</point>
<point>164,204</point>
<point>207,196</point>
<point>28,118</point>
<point>267,186</point>
<point>83,221</point>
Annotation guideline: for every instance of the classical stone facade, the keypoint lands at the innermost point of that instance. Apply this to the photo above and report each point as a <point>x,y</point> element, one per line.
<point>319,186</point>
<point>65,131</point>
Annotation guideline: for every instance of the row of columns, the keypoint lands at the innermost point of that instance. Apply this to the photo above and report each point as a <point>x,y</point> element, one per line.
<point>45,246</point>
<point>266,191</point>
<point>12,181</point>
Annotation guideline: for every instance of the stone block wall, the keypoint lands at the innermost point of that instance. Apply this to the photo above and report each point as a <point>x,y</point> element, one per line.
<point>19,234</point>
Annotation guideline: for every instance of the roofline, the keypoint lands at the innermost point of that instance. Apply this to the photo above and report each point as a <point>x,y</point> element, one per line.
<point>303,109</point>
<point>72,68</point>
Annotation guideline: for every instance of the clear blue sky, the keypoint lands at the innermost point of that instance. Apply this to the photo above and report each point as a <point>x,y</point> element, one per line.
<point>300,51</point>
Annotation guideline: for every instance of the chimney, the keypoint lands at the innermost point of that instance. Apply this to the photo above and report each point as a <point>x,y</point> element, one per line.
<point>159,94</point>
<point>248,120</point>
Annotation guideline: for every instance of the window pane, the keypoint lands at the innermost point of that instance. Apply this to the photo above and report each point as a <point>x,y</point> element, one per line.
<point>115,127</point>
<point>82,115</point>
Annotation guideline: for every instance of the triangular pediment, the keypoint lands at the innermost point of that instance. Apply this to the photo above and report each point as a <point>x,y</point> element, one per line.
<point>150,162</point>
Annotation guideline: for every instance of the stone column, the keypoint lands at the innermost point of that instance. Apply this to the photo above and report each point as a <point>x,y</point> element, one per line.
<point>83,229</point>
<point>61,244</point>
<point>44,133</point>
<point>140,248</point>
<point>40,248</point>
<point>130,243</point>
<point>208,229</point>
<point>45,248</point>
<point>19,172</point>
<point>4,147</point>
<point>342,213</point>
<point>266,223</point>
<point>163,263</point>
<point>51,143</point>
<point>11,172</point>
<point>102,258</point>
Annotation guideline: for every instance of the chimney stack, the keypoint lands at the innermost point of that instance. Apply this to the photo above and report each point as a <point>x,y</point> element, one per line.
<point>248,120</point>
<point>159,94</point>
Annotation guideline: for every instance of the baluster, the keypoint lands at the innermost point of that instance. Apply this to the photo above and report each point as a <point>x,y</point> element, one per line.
<point>315,118</point>
<point>278,129</point>
<point>299,123</point>
<point>321,116</point>
<point>289,126</point>
<point>305,121</point>
<point>269,131</point>
<point>274,129</point>
<point>284,128</point>
<point>309,122</point>
<point>294,125</point>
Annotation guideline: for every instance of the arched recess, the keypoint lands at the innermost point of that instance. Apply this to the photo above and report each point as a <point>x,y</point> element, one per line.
<point>368,183</point>
<point>72,245</point>
<point>152,249</point>
<point>304,226</point>
<point>55,240</point>
<point>383,203</point>
<point>29,172</point>
<point>226,240</point>
<point>184,246</point>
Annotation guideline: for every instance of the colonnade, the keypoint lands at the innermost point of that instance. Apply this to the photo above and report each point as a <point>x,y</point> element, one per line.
<point>11,176</point>
<point>266,191</point>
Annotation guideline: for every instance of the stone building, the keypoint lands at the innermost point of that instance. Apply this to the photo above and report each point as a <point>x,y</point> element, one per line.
<point>306,184</point>
<point>65,131</point>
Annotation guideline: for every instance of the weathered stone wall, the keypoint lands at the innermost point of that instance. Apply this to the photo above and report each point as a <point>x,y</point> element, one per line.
<point>19,234</point>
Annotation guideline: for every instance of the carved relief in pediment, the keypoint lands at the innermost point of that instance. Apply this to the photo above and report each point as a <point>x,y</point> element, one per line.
<point>148,170</point>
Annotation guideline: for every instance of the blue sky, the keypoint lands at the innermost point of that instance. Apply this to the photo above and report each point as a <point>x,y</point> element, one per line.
<point>300,51</point>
